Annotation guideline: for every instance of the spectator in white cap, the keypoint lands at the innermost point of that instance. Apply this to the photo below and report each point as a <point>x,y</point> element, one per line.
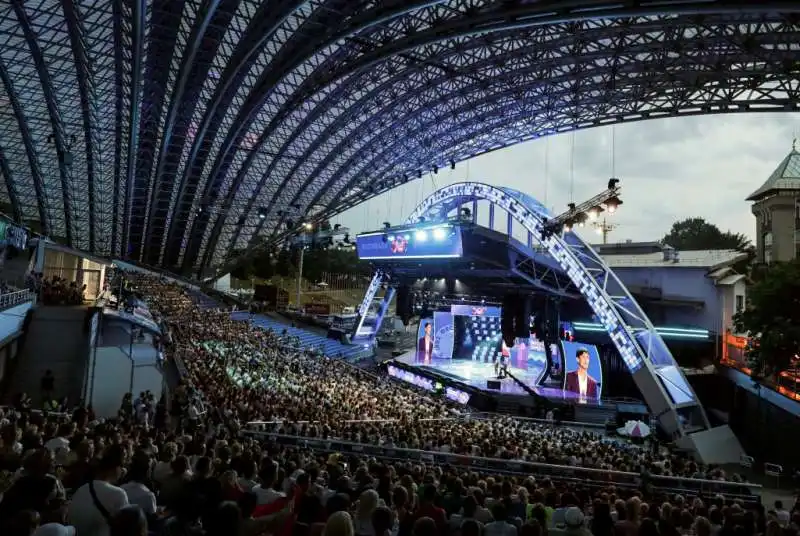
<point>54,529</point>
<point>574,522</point>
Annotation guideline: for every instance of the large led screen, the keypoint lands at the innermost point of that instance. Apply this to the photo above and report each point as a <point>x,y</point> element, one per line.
<point>583,371</point>
<point>439,242</point>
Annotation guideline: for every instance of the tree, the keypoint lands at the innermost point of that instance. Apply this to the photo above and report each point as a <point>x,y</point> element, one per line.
<point>771,320</point>
<point>697,234</point>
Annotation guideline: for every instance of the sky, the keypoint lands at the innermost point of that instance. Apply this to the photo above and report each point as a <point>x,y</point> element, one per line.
<point>669,169</point>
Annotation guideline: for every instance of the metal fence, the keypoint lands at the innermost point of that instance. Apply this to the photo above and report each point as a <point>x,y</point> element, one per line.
<point>10,299</point>
<point>586,476</point>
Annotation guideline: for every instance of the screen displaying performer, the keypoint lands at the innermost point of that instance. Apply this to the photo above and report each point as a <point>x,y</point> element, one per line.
<point>584,374</point>
<point>425,340</point>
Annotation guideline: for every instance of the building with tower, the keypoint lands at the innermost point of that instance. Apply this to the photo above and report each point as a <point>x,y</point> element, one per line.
<point>775,206</point>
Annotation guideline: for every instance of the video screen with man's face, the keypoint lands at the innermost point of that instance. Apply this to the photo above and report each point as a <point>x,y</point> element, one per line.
<point>583,371</point>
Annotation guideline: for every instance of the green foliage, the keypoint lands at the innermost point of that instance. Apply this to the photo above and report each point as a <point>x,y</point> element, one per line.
<point>697,234</point>
<point>771,318</point>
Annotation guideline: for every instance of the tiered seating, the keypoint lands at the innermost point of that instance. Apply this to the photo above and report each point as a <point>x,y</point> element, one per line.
<point>307,338</point>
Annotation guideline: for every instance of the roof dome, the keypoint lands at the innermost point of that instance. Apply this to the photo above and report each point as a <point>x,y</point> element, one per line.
<point>785,177</point>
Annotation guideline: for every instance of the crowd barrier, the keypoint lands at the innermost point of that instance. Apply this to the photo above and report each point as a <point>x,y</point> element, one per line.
<point>585,476</point>
<point>10,299</point>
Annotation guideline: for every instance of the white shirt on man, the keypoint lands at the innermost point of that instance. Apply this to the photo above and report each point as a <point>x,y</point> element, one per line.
<point>583,383</point>
<point>84,514</point>
<point>140,495</point>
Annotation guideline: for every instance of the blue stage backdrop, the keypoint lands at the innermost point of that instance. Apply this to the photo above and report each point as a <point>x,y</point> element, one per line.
<point>571,385</point>
<point>434,242</point>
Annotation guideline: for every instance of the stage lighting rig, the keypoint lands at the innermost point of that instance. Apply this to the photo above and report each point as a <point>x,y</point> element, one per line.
<point>578,214</point>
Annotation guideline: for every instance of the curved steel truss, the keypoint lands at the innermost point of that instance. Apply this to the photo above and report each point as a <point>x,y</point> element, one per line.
<point>666,390</point>
<point>175,132</point>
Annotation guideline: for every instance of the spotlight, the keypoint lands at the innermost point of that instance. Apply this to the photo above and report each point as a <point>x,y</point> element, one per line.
<point>567,226</point>
<point>439,234</point>
<point>594,212</point>
<point>262,213</point>
<point>598,230</point>
<point>612,204</point>
<point>421,236</point>
<point>612,183</point>
<point>308,226</point>
<point>407,237</point>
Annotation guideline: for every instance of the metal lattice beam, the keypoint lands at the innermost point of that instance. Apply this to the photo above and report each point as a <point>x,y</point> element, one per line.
<point>30,152</point>
<point>138,11</point>
<point>75,31</point>
<point>123,118</point>
<point>63,154</point>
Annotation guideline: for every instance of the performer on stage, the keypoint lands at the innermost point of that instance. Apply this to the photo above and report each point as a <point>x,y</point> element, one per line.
<point>578,381</point>
<point>425,344</point>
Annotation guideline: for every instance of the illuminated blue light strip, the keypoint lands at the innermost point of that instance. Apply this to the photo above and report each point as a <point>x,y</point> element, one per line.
<point>401,257</point>
<point>685,333</point>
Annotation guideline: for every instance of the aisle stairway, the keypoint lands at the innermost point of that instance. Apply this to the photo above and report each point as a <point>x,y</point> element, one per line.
<point>56,341</point>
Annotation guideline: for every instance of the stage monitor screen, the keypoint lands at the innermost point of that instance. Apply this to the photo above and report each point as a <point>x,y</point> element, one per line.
<point>439,242</point>
<point>583,377</point>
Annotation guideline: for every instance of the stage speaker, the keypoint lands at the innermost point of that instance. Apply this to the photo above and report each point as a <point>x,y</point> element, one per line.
<point>404,308</point>
<point>507,318</point>
<point>522,318</point>
<point>336,334</point>
<point>494,385</point>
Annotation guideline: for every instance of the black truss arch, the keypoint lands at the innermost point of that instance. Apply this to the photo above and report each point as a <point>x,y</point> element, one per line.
<point>328,32</point>
<point>120,108</point>
<point>30,152</point>
<point>396,87</point>
<point>474,81</point>
<point>165,23</point>
<point>74,26</point>
<point>204,40</point>
<point>11,186</point>
<point>339,67</point>
<point>62,153</point>
<point>269,19</point>
<point>138,10</point>
<point>160,130</point>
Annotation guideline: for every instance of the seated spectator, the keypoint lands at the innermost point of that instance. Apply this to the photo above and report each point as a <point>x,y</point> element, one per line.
<point>94,503</point>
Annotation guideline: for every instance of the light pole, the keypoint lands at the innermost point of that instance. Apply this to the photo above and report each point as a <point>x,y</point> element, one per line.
<point>603,228</point>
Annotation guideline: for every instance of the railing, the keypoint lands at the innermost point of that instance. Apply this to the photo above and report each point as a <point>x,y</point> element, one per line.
<point>584,475</point>
<point>10,299</point>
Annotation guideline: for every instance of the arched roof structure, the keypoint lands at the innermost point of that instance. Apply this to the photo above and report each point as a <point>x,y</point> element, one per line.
<point>173,132</point>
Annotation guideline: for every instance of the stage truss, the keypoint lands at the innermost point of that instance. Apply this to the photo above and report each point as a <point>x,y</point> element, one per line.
<point>609,299</point>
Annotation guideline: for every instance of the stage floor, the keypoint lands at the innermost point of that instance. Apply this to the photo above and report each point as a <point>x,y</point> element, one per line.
<point>473,373</point>
<point>476,374</point>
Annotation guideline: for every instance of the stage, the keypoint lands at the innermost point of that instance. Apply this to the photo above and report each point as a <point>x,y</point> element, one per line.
<point>478,374</point>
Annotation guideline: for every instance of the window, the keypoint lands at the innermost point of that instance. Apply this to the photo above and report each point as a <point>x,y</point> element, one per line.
<point>739,303</point>
<point>768,256</point>
<point>767,239</point>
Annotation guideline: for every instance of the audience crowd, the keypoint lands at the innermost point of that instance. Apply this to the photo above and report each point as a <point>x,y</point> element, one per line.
<point>184,464</point>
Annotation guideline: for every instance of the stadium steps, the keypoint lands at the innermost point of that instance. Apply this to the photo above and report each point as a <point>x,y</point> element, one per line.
<point>308,339</point>
<point>56,340</point>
